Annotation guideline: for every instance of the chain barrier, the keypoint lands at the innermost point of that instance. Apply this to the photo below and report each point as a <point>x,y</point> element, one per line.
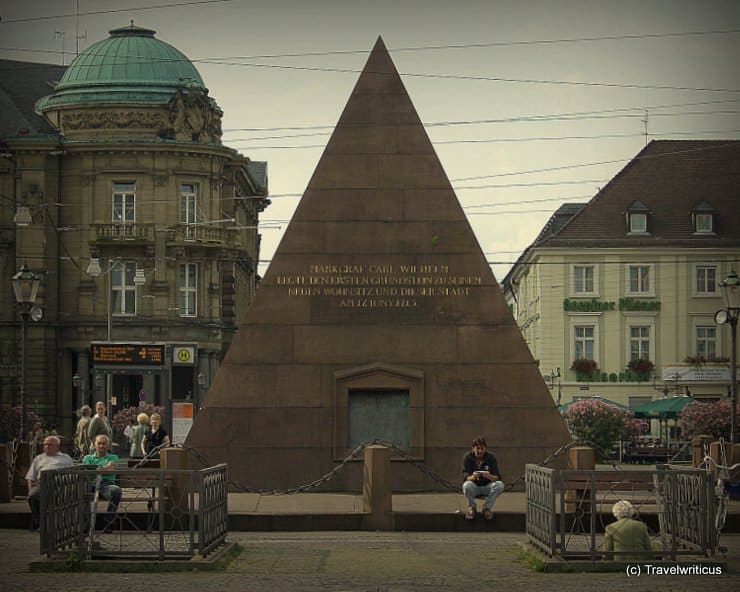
<point>353,456</point>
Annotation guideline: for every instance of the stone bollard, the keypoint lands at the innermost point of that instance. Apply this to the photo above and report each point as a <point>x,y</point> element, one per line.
<point>5,474</point>
<point>377,495</point>
<point>179,484</point>
<point>697,448</point>
<point>733,456</point>
<point>580,458</point>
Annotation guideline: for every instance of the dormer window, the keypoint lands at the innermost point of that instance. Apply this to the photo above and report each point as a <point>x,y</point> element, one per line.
<point>702,217</point>
<point>637,218</point>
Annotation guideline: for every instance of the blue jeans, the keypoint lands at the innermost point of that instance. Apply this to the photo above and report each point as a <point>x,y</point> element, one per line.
<point>110,491</point>
<point>491,491</point>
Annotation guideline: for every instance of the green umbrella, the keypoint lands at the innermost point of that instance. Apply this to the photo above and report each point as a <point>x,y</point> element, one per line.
<point>667,408</point>
<point>565,406</point>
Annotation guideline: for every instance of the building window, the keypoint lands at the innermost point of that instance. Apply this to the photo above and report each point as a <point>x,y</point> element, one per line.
<point>188,208</point>
<point>123,289</point>
<point>703,224</point>
<point>637,218</point>
<point>188,294</point>
<point>706,342</point>
<point>124,201</point>
<point>583,279</point>
<point>638,223</point>
<point>703,218</point>
<point>583,342</point>
<point>639,343</point>
<point>639,279</point>
<point>706,280</point>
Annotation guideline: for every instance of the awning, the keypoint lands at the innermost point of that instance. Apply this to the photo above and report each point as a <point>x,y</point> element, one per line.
<point>667,408</point>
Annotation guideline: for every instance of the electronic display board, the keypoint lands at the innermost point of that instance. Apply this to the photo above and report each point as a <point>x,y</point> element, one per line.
<point>127,354</point>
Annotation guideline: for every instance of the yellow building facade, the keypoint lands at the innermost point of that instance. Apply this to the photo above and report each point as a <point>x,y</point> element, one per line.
<point>616,298</point>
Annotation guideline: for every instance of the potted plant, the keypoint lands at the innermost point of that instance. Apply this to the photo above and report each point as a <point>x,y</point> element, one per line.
<point>584,366</point>
<point>641,366</point>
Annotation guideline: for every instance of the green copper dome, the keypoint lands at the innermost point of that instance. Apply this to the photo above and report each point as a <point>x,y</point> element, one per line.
<point>131,66</point>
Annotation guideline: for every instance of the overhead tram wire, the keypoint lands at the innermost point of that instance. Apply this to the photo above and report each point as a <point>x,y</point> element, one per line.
<point>444,76</point>
<point>113,10</point>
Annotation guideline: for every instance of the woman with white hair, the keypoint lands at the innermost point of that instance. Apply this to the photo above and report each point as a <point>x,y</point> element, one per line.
<point>627,536</point>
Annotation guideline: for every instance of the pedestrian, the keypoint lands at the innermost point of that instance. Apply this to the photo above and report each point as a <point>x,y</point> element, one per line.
<point>627,536</point>
<point>105,460</point>
<point>156,437</point>
<point>50,458</point>
<point>82,440</point>
<point>138,435</point>
<point>99,424</point>
<point>481,478</point>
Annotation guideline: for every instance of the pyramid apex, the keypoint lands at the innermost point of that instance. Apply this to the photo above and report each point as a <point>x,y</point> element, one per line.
<point>379,44</point>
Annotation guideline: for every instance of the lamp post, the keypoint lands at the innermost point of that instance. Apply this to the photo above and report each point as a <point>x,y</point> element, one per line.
<point>202,388</point>
<point>25,285</point>
<point>729,315</point>
<point>79,384</point>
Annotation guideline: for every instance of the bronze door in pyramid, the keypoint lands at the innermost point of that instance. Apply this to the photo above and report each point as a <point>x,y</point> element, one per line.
<point>378,286</point>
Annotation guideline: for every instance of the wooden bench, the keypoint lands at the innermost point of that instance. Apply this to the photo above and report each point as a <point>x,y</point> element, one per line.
<point>647,454</point>
<point>636,487</point>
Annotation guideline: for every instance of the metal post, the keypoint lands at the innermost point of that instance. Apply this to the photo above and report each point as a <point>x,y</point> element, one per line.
<point>733,380</point>
<point>108,299</point>
<point>22,426</point>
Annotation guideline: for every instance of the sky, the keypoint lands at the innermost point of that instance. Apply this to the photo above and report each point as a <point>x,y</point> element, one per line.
<point>529,104</point>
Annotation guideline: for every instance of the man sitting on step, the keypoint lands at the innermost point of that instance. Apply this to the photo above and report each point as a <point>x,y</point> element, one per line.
<point>481,478</point>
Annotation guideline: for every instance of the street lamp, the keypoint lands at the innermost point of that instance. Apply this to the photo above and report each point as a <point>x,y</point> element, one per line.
<point>79,384</point>
<point>202,387</point>
<point>731,286</point>
<point>25,285</point>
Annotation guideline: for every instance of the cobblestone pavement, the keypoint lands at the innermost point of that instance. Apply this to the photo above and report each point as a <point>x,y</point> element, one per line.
<point>358,561</point>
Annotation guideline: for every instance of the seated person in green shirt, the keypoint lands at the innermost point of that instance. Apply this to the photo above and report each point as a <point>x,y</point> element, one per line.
<point>105,460</point>
<point>626,538</point>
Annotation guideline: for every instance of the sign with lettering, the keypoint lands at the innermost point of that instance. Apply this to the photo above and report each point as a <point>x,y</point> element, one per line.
<point>380,286</point>
<point>127,354</point>
<point>183,355</point>
<point>701,373</point>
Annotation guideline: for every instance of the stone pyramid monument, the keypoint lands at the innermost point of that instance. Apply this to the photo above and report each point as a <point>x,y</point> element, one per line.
<point>379,317</point>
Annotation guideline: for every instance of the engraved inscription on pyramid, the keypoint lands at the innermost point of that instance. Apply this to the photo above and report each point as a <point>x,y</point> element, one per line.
<point>378,317</point>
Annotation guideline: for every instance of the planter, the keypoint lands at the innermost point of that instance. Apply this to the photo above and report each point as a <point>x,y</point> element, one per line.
<point>584,366</point>
<point>641,366</point>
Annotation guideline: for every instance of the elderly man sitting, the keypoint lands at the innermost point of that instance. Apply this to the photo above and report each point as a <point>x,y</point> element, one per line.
<point>51,458</point>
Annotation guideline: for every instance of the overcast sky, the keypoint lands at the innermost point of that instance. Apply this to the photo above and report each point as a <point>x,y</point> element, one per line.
<point>489,103</point>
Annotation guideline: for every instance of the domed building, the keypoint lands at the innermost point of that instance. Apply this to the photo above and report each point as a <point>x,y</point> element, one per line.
<point>142,226</point>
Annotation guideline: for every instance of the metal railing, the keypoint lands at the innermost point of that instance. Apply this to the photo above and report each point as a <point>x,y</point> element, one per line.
<point>565,508</point>
<point>127,232</point>
<point>163,513</point>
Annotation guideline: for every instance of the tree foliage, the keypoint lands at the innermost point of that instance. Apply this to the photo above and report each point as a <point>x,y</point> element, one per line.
<point>600,424</point>
<point>11,421</point>
<point>712,419</point>
<point>127,416</point>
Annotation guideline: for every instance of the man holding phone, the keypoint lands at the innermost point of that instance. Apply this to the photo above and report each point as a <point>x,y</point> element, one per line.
<point>481,478</point>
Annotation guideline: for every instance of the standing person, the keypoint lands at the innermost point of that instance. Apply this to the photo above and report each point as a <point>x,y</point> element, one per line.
<point>99,424</point>
<point>627,535</point>
<point>156,436</point>
<point>103,459</point>
<point>138,435</point>
<point>82,440</point>
<point>50,458</point>
<point>481,477</point>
